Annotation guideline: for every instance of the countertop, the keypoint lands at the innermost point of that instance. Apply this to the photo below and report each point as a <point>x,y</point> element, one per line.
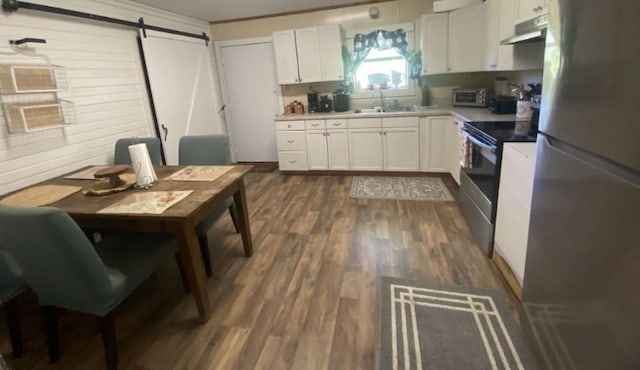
<point>461,113</point>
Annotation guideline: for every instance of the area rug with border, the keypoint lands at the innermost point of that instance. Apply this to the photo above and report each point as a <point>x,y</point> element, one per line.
<point>400,188</point>
<point>433,326</point>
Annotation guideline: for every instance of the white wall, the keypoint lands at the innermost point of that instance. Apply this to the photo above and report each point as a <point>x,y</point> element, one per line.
<point>105,79</point>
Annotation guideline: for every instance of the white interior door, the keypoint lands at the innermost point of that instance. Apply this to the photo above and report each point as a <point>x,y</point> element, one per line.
<point>183,88</point>
<point>252,96</point>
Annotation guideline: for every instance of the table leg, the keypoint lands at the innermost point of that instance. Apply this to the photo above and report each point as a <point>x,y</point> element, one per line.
<point>194,269</point>
<point>240,200</point>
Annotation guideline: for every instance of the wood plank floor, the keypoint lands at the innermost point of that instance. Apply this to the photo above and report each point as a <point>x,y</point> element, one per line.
<point>307,299</point>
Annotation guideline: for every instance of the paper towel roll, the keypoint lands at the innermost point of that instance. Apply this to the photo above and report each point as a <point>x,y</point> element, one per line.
<point>141,162</point>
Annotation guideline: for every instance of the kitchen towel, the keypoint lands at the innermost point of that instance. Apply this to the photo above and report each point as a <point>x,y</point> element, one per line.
<point>142,166</point>
<point>466,151</point>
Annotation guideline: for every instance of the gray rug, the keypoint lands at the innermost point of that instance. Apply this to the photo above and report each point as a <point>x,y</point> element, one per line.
<point>402,188</point>
<point>430,326</point>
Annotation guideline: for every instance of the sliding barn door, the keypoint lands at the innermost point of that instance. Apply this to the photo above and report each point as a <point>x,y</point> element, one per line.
<point>183,88</point>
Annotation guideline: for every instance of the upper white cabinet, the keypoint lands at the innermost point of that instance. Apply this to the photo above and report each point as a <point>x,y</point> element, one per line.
<point>309,54</point>
<point>434,34</point>
<point>467,39</point>
<point>492,31</point>
<point>528,9</point>
<point>284,45</point>
<point>330,46</point>
<point>307,43</point>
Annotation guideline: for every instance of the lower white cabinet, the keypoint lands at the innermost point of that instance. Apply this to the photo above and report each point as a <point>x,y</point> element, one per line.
<point>400,147</point>
<point>328,149</point>
<point>365,149</point>
<point>433,145</point>
<point>514,207</point>
<point>292,146</point>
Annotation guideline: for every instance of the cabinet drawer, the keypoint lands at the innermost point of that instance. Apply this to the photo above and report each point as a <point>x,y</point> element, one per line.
<point>293,161</point>
<point>291,140</point>
<point>289,125</point>
<point>314,124</point>
<point>518,162</point>
<point>400,122</point>
<point>364,123</point>
<point>336,123</point>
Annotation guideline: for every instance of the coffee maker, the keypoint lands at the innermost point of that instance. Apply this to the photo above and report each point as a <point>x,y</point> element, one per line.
<point>312,101</point>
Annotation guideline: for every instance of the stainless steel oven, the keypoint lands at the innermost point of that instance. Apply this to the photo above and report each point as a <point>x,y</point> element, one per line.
<point>480,180</point>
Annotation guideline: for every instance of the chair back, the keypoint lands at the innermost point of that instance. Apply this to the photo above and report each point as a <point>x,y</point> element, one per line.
<point>204,150</point>
<point>122,156</point>
<point>56,258</point>
<point>11,280</point>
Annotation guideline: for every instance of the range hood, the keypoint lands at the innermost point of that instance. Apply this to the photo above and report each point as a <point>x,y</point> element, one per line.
<point>529,31</point>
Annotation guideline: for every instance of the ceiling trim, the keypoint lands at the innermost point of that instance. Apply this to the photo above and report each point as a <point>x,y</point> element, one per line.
<point>300,11</point>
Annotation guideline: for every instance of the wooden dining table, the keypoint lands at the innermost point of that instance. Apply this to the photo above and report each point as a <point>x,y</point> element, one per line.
<point>179,220</point>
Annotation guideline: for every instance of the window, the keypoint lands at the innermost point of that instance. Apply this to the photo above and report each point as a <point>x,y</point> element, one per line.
<point>382,69</point>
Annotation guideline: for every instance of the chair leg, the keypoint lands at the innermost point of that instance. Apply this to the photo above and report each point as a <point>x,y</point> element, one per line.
<point>183,273</point>
<point>108,327</point>
<point>51,323</point>
<point>234,216</point>
<point>206,257</point>
<point>13,322</point>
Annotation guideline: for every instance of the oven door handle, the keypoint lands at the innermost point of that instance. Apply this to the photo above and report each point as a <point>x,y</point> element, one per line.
<point>481,144</point>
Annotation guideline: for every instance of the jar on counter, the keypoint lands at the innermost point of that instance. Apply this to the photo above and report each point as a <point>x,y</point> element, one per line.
<point>299,108</point>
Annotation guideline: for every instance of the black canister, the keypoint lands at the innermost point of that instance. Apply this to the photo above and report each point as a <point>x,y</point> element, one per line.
<point>341,100</point>
<point>325,104</point>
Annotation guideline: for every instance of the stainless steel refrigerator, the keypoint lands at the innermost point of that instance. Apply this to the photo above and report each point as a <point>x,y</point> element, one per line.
<point>581,288</point>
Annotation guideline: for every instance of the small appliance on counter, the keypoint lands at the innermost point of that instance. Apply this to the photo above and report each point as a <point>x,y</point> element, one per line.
<point>464,97</point>
<point>503,105</point>
<point>312,101</point>
<point>325,104</point>
<point>341,100</point>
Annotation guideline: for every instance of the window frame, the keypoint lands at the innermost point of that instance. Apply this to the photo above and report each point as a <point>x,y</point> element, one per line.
<point>411,89</point>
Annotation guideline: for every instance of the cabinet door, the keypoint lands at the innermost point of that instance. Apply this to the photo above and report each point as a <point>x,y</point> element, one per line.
<point>284,46</point>
<point>434,41</point>
<point>365,149</point>
<point>330,41</point>
<point>317,150</point>
<point>528,9</point>
<point>493,28</point>
<point>434,153</point>
<point>401,149</point>
<point>308,54</point>
<point>506,28</point>
<point>512,231</point>
<point>467,30</point>
<point>338,146</point>
<point>454,142</point>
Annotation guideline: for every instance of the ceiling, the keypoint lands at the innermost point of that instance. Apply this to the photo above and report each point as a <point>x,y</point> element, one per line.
<point>225,10</point>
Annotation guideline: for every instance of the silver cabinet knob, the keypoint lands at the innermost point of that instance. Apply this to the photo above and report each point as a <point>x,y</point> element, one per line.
<point>291,141</point>
<point>290,161</point>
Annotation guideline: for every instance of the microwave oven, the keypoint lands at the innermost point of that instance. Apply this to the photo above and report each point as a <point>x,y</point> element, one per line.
<point>470,97</point>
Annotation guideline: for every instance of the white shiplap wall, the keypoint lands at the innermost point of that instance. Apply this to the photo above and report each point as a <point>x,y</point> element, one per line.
<point>105,80</point>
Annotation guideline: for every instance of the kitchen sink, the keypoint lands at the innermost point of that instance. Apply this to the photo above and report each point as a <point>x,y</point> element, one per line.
<point>384,110</point>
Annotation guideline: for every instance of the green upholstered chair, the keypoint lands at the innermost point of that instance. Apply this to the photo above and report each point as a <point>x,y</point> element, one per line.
<point>65,270</point>
<point>11,285</point>
<point>207,150</point>
<point>121,155</point>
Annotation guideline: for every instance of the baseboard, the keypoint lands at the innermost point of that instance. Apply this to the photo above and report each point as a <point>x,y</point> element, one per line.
<point>508,274</point>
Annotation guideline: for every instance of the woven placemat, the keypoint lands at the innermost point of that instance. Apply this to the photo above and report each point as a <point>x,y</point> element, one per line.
<point>39,195</point>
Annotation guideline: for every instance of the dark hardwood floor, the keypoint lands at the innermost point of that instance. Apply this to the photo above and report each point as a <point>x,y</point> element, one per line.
<point>307,299</point>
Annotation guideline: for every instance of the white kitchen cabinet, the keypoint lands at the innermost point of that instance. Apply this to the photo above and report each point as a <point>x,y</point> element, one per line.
<point>433,149</point>
<point>307,42</point>
<point>291,145</point>
<point>467,39</point>
<point>309,54</point>
<point>317,153</point>
<point>400,147</point>
<point>434,34</point>
<point>328,149</point>
<point>453,145</point>
<point>506,29</point>
<point>365,149</point>
<point>514,208</point>
<point>284,46</point>
<point>528,9</point>
<point>492,31</point>
<point>330,46</point>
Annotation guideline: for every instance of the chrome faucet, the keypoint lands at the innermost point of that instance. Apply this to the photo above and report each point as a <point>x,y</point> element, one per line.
<point>381,98</point>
